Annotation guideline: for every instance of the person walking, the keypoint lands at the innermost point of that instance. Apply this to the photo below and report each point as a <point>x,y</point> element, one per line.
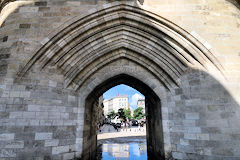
<point>139,129</point>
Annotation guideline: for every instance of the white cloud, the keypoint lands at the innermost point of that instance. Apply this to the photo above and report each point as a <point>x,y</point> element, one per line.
<point>134,99</point>
<point>128,88</point>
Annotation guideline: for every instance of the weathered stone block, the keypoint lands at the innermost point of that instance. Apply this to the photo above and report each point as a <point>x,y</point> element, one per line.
<point>190,136</point>
<point>192,116</point>
<point>179,155</point>
<point>64,115</point>
<point>184,142</point>
<point>28,9</point>
<point>53,115</point>
<point>7,136</point>
<point>34,108</point>
<point>203,137</point>
<point>68,156</point>
<point>25,26</point>
<point>45,122</point>
<point>194,130</point>
<point>34,122</point>
<point>7,153</point>
<point>41,115</point>
<point>43,3</point>
<point>52,142</point>
<point>60,149</point>
<point>185,149</point>
<point>43,136</point>
<point>15,144</point>
<point>29,115</point>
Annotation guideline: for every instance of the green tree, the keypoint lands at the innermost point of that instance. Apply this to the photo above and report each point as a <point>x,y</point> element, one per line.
<point>111,115</point>
<point>121,114</point>
<point>127,114</point>
<point>138,113</point>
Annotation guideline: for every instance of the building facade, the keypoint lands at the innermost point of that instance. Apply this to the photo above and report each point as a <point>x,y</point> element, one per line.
<point>141,103</point>
<point>113,104</point>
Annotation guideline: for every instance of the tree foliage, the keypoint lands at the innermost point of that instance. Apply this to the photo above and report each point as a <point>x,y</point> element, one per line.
<point>121,114</point>
<point>127,113</point>
<point>124,114</point>
<point>138,113</point>
<point>111,115</point>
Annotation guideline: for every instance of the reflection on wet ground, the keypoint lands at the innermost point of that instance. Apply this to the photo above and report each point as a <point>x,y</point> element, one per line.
<point>134,148</point>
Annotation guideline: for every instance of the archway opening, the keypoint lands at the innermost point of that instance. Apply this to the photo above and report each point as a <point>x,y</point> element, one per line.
<point>121,124</point>
<point>154,129</point>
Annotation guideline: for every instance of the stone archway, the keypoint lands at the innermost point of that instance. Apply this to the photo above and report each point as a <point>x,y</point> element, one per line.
<point>115,41</point>
<point>122,30</point>
<point>155,141</point>
<point>120,40</point>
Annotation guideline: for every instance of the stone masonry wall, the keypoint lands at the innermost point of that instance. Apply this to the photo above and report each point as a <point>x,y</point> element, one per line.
<point>202,119</point>
<point>40,118</point>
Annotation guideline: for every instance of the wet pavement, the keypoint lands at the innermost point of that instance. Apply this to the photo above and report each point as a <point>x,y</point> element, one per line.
<point>125,148</point>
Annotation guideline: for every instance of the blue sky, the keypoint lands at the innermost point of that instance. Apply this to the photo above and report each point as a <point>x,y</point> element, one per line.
<point>122,89</point>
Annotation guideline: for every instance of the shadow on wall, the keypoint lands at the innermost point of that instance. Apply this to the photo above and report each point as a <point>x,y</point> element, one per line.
<point>204,118</point>
<point>235,3</point>
<point>215,113</point>
<point>141,2</point>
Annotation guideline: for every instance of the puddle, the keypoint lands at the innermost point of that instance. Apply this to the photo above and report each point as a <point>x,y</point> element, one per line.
<point>131,149</point>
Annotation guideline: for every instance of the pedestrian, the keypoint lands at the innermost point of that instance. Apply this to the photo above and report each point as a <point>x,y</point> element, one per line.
<point>142,124</point>
<point>122,125</point>
<point>139,127</point>
<point>130,125</point>
<point>127,125</point>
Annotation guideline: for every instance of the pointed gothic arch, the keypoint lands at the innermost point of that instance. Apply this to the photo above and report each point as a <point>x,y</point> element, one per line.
<point>88,43</point>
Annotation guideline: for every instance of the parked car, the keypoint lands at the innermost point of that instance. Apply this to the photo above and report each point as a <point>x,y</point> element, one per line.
<point>134,123</point>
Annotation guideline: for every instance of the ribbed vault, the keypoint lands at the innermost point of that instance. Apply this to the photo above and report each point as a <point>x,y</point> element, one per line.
<point>122,31</point>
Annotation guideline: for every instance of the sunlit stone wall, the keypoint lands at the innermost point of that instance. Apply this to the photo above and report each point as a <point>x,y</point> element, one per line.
<point>41,117</point>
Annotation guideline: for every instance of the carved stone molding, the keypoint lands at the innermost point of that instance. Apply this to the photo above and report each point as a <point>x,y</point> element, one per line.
<point>3,3</point>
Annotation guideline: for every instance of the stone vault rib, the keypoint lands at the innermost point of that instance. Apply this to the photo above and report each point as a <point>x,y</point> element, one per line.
<point>132,55</point>
<point>77,63</point>
<point>80,32</point>
<point>86,40</point>
<point>116,55</point>
<point>102,37</point>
